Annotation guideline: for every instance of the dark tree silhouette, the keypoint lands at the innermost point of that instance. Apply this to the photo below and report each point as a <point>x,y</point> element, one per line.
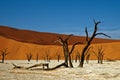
<point>3,54</point>
<point>67,52</point>
<point>29,56</point>
<point>89,40</point>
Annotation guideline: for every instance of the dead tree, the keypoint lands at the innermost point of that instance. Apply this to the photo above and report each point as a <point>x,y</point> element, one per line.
<point>87,54</point>
<point>58,56</point>
<point>30,67</point>
<point>44,58</point>
<point>37,57</point>
<point>72,57</point>
<point>100,54</point>
<point>77,56</point>
<point>89,40</point>
<point>87,58</point>
<point>3,54</point>
<point>50,58</point>
<point>67,52</point>
<point>29,56</point>
<point>47,55</point>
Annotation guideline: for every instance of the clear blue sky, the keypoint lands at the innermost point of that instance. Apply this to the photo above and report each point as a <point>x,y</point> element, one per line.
<point>62,16</point>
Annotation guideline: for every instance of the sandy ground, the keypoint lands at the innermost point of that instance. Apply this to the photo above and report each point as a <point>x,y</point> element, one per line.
<point>91,71</point>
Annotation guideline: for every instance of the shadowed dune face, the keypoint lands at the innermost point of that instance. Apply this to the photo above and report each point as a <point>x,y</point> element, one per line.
<point>21,42</point>
<point>42,38</point>
<point>17,50</point>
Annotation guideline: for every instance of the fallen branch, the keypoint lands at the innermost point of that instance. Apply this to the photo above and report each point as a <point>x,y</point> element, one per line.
<point>36,65</point>
<point>58,66</point>
<point>15,66</point>
<point>41,64</point>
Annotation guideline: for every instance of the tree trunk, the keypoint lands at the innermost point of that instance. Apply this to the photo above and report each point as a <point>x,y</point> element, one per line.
<point>82,61</point>
<point>87,58</point>
<point>101,59</point>
<point>37,57</point>
<point>66,60</point>
<point>3,58</point>
<point>66,52</point>
<point>76,58</point>
<point>98,60</point>
<point>58,57</point>
<point>70,62</point>
<point>83,53</point>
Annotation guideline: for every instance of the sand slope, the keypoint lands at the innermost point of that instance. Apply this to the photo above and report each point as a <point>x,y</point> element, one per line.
<point>17,50</point>
<point>42,38</point>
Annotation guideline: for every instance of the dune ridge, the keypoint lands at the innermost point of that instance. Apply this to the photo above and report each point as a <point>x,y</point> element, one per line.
<point>43,38</point>
<point>20,42</point>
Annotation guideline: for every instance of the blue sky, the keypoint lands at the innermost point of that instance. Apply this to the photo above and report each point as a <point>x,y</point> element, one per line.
<point>62,16</point>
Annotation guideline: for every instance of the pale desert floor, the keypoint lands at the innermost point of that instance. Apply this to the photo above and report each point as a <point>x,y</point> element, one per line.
<point>91,71</point>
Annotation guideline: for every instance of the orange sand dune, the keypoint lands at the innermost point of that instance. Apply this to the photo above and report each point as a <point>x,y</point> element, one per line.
<point>17,50</point>
<point>42,38</point>
<point>20,42</point>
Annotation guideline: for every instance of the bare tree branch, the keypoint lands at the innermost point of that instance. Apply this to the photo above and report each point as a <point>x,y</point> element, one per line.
<point>74,46</point>
<point>86,34</point>
<point>96,23</point>
<point>102,34</point>
<point>60,39</point>
<point>32,66</point>
<point>95,53</point>
<point>4,51</point>
<point>68,37</point>
<point>99,54</point>
<point>91,47</point>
